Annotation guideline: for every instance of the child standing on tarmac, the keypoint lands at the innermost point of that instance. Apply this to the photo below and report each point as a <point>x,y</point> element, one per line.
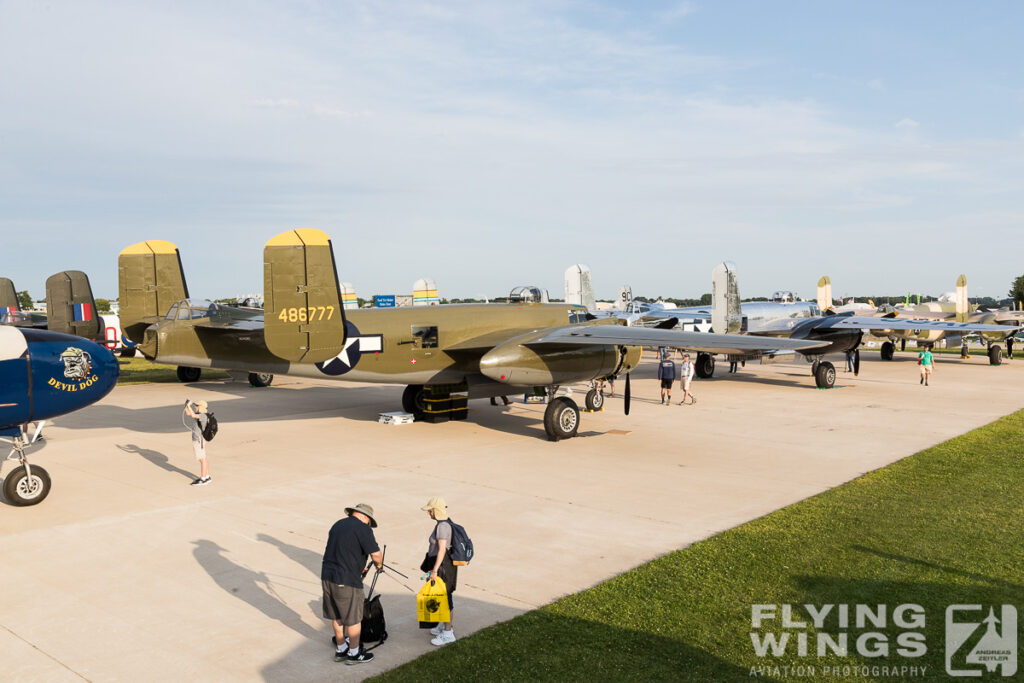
<point>667,375</point>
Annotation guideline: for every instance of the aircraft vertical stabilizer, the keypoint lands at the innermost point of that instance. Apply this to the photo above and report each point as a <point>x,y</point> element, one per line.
<point>303,316</point>
<point>8,297</point>
<point>726,315</point>
<point>825,293</point>
<point>149,281</point>
<point>962,306</point>
<point>579,286</point>
<point>70,306</point>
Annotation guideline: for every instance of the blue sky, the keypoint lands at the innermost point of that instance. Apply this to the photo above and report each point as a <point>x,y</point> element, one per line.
<point>488,145</point>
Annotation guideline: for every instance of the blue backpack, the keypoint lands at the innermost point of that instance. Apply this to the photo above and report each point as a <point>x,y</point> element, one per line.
<point>462,547</point>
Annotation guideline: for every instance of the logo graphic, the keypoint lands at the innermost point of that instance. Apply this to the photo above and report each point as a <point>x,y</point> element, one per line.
<point>77,363</point>
<point>975,642</point>
<point>355,346</point>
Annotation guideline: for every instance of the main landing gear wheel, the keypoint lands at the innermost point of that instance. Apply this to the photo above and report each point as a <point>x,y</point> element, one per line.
<point>260,379</point>
<point>825,375</point>
<point>888,349</point>
<point>561,419</point>
<point>412,400</point>
<point>20,489</point>
<point>995,355</point>
<point>594,400</point>
<point>705,365</point>
<point>187,374</point>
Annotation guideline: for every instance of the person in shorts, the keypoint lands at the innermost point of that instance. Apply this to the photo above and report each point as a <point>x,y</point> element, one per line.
<point>686,373</point>
<point>349,542</point>
<point>927,364</point>
<point>667,375</point>
<point>198,414</point>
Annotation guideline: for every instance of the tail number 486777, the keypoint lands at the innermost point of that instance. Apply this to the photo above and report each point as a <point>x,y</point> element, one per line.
<point>302,315</point>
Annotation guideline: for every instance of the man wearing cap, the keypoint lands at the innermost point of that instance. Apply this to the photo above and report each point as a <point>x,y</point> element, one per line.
<point>349,543</point>
<point>199,411</point>
<point>439,563</point>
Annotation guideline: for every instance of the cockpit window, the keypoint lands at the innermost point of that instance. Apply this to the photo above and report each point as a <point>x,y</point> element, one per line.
<point>193,309</point>
<point>577,316</point>
<point>172,313</point>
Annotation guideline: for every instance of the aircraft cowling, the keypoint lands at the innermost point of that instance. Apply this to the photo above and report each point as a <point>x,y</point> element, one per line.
<point>840,340</point>
<point>515,363</point>
<point>45,374</point>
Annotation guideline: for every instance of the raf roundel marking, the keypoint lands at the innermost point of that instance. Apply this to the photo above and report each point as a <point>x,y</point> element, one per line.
<point>355,346</point>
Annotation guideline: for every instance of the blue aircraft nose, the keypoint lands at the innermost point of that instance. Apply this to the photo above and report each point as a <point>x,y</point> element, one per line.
<point>68,372</point>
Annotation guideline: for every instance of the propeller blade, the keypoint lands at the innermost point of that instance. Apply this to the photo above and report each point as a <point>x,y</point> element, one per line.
<point>856,362</point>
<point>626,401</point>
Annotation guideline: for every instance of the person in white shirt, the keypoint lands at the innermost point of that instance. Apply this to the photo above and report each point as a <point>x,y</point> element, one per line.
<point>686,372</point>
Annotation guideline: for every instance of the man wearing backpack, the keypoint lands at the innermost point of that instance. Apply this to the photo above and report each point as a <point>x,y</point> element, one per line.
<point>439,563</point>
<point>198,412</point>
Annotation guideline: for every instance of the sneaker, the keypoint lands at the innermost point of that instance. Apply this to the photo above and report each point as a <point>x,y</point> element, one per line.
<point>444,638</point>
<point>436,631</point>
<point>203,482</point>
<point>360,658</point>
<point>197,481</point>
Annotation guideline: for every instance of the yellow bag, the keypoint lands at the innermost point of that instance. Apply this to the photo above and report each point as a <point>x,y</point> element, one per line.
<point>432,602</point>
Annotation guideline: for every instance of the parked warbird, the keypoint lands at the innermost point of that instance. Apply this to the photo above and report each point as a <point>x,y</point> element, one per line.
<point>993,326</point>
<point>479,350</point>
<point>791,319</point>
<point>44,374</point>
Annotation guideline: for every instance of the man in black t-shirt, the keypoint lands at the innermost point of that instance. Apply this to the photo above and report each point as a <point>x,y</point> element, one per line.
<point>349,543</point>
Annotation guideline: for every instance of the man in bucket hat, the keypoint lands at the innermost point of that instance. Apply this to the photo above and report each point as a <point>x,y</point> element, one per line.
<point>349,543</point>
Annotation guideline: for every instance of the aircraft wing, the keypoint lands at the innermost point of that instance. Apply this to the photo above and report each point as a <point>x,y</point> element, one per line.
<point>677,339</point>
<point>867,323</point>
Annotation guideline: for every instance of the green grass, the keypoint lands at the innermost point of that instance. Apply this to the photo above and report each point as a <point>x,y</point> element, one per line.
<point>940,527</point>
<point>142,371</point>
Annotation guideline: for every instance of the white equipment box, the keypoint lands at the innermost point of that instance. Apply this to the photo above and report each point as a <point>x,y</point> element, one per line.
<point>396,418</point>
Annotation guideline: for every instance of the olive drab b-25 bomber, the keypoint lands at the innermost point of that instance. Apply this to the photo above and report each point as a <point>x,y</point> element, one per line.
<point>479,350</point>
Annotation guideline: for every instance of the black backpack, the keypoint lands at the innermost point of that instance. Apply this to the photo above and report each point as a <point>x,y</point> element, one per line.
<point>210,430</point>
<point>462,547</point>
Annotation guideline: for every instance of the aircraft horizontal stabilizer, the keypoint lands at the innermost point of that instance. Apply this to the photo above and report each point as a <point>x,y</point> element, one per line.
<point>304,320</point>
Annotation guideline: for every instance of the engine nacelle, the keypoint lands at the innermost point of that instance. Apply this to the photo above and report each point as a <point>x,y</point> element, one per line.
<point>518,364</point>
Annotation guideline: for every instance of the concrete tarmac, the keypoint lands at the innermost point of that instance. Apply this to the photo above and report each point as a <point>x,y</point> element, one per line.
<point>126,572</point>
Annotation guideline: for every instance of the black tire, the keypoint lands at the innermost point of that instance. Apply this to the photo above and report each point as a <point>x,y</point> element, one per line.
<point>561,419</point>
<point>412,400</point>
<point>888,349</point>
<point>187,374</point>
<point>260,379</point>
<point>705,365</point>
<point>995,355</point>
<point>21,490</point>
<point>594,400</point>
<point>127,352</point>
<point>825,377</point>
